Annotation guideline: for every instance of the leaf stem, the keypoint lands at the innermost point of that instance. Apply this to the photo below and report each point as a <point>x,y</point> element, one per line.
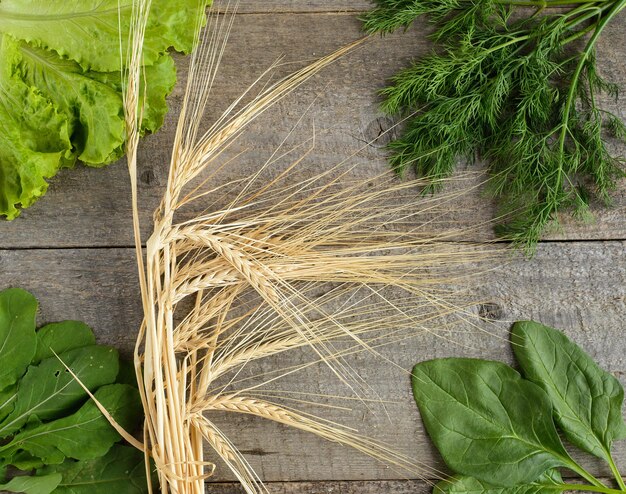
<point>616,473</point>
<point>597,484</point>
<point>588,488</point>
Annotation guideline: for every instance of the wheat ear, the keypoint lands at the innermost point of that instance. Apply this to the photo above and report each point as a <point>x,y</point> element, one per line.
<point>237,284</point>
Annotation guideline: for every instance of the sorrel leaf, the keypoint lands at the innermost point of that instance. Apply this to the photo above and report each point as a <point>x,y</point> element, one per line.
<point>33,485</point>
<point>57,338</point>
<point>496,430</point>
<point>17,335</point>
<point>54,441</point>
<point>122,469</point>
<point>7,401</point>
<point>46,417</point>
<point>48,389</point>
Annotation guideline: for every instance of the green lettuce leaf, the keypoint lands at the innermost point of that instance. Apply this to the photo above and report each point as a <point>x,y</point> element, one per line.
<point>34,138</point>
<point>94,110</point>
<point>160,80</point>
<point>87,31</point>
<point>60,84</point>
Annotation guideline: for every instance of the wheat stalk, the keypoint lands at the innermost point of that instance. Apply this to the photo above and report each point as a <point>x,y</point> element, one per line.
<point>237,284</point>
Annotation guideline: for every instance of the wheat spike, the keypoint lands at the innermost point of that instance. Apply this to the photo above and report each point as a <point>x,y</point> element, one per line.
<point>238,283</point>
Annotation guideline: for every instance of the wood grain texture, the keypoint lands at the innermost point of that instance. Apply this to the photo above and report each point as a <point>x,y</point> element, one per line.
<point>90,207</point>
<point>578,287</point>
<point>371,487</point>
<point>354,487</point>
<point>70,249</point>
<point>299,6</point>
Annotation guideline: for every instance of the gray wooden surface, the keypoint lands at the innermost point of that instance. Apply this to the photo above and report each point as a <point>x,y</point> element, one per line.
<point>73,251</point>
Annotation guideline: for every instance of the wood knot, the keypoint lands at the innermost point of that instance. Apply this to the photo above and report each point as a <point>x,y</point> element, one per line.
<point>148,177</point>
<point>380,132</point>
<point>491,311</point>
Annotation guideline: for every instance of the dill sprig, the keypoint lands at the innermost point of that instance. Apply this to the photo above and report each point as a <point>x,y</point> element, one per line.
<point>518,88</point>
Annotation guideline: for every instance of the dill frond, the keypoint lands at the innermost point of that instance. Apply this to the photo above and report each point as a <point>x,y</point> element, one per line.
<point>517,88</point>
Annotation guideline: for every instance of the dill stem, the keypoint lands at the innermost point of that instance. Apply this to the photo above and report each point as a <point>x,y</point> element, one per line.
<point>578,34</point>
<point>571,96</point>
<point>508,43</point>
<point>547,3</point>
<point>587,12</point>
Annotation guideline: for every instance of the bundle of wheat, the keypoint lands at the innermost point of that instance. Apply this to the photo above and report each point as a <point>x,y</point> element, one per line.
<point>237,284</point>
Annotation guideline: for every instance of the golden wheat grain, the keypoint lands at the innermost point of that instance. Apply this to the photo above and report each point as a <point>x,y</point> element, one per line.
<point>236,284</point>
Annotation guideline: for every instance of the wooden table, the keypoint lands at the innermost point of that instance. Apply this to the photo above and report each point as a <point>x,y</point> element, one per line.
<point>73,248</point>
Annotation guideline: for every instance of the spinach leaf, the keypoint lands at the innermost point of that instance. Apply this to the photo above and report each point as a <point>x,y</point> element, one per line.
<point>122,470</point>
<point>17,334</point>
<point>548,483</point>
<point>33,485</point>
<point>48,390</point>
<point>587,400</point>
<point>54,441</point>
<point>487,422</point>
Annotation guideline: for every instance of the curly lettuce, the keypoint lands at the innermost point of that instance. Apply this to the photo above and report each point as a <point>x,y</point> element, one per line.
<point>60,85</point>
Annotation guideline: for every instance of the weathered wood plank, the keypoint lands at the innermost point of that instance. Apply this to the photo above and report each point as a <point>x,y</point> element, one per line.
<point>578,287</point>
<point>88,207</point>
<point>364,487</point>
<point>333,487</point>
<point>299,6</point>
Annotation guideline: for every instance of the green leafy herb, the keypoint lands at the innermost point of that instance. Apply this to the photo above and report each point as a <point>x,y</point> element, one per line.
<point>46,416</point>
<point>497,430</point>
<point>548,483</point>
<point>61,337</point>
<point>587,400</point>
<point>17,334</point>
<point>47,390</point>
<point>33,485</point>
<point>83,435</point>
<point>121,470</point>
<point>60,84</point>
<point>487,421</point>
<point>518,89</point>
